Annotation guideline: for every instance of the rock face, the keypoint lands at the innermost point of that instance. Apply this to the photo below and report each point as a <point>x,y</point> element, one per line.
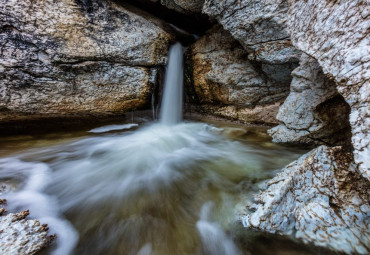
<point>73,58</point>
<point>259,25</point>
<point>249,84</point>
<point>184,6</point>
<point>315,200</point>
<point>19,236</point>
<point>224,82</point>
<point>337,35</point>
<point>314,112</point>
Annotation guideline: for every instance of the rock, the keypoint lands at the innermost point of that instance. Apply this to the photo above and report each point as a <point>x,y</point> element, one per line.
<point>336,34</point>
<point>74,57</point>
<point>21,236</point>
<point>259,25</point>
<point>314,112</point>
<point>184,6</point>
<point>224,82</point>
<point>314,200</point>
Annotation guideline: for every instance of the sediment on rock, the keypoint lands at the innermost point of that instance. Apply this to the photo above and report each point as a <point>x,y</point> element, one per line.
<point>314,199</point>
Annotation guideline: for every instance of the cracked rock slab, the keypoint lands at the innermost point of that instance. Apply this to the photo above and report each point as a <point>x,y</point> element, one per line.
<point>314,199</point>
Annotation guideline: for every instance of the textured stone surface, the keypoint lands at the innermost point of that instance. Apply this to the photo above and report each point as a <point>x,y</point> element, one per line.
<point>226,83</point>
<point>19,236</point>
<point>70,57</point>
<point>314,199</point>
<point>259,25</point>
<point>314,112</point>
<point>337,34</point>
<point>184,6</point>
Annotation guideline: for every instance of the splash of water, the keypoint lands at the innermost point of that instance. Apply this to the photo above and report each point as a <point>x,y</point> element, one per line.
<point>171,109</point>
<point>32,196</point>
<point>214,239</point>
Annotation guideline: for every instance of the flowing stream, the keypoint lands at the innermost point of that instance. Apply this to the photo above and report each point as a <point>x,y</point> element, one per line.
<point>143,188</point>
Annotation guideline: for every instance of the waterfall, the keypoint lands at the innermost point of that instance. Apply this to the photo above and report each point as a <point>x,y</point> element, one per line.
<point>171,108</point>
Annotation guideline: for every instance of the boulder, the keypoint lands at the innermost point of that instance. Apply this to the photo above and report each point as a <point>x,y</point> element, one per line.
<point>222,80</point>
<point>259,25</point>
<point>337,35</point>
<point>72,57</point>
<point>314,199</point>
<point>261,28</point>
<point>314,112</point>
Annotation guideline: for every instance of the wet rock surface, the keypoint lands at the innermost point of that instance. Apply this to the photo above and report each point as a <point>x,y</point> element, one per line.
<point>314,112</point>
<point>225,83</point>
<point>315,199</point>
<point>336,34</point>
<point>77,58</point>
<point>20,236</point>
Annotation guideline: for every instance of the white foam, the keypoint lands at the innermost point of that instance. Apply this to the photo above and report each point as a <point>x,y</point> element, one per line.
<point>31,196</point>
<point>214,240</point>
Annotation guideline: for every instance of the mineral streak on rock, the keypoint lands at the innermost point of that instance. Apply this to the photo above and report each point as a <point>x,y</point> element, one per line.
<point>319,198</point>
<point>337,35</point>
<point>19,236</point>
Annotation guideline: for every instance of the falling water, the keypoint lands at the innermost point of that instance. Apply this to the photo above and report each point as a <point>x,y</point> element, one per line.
<point>171,110</point>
